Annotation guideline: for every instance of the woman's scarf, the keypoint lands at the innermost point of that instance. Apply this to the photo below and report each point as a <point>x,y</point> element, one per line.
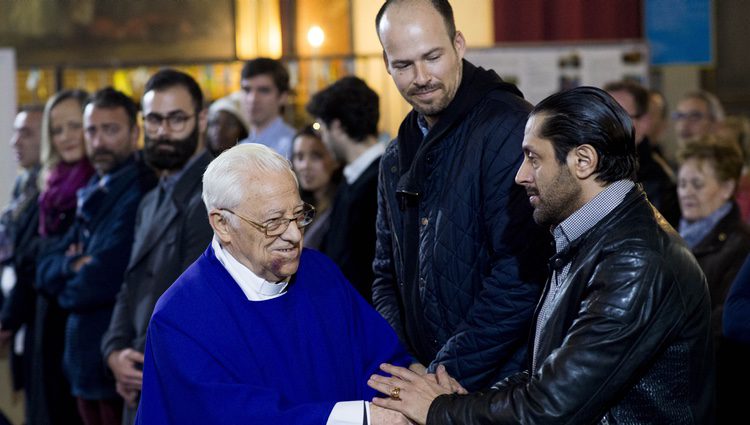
<point>57,203</point>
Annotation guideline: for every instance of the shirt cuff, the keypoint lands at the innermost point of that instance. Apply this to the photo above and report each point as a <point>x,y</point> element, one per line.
<point>350,413</point>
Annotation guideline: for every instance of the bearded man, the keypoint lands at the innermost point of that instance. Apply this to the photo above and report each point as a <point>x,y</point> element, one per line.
<point>171,229</point>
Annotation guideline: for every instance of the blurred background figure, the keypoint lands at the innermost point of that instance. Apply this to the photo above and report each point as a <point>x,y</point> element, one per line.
<point>711,223</point>
<point>265,93</point>
<point>348,112</point>
<point>697,115</point>
<point>84,269</point>
<point>319,174</point>
<point>658,112</point>
<point>737,128</point>
<point>654,173</point>
<point>65,169</point>
<point>19,222</point>
<point>227,123</point>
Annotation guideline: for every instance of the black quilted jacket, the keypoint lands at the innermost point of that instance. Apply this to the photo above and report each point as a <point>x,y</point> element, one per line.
<point>459,262</point>
<point>630,342</point>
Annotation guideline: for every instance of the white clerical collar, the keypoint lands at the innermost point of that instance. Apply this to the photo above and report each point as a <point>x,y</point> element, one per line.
<point>254,287</point>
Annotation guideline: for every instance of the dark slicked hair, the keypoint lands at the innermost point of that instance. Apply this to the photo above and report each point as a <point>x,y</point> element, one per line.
<point>639,93</point>
<point>590,116</point>
<point>109,98</point>
<point>443,7</point>
<point>267,66</point>
<point>351,101</point>
<point>168,78</point>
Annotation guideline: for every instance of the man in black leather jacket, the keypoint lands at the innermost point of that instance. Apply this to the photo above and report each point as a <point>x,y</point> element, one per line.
<point>622,333</point>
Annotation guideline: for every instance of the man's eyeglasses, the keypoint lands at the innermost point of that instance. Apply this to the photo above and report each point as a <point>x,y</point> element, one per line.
<point>694,116</point>
<point>278,226</point>
<point>175,121</point>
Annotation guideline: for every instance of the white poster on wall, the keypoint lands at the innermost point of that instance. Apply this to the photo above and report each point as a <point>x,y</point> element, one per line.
<point>541,70</point>
<point>7,115</point>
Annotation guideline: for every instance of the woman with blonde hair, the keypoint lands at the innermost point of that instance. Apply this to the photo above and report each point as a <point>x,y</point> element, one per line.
<point>65,169</point>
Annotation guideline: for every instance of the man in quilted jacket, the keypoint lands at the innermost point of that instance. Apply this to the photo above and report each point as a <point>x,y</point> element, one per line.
<point>459,263</point>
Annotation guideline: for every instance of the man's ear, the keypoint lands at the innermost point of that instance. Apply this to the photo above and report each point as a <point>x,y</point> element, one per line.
<point>585,161</point>
<point>335,127</point>
<point>203,120</point>
<point>221,226</point>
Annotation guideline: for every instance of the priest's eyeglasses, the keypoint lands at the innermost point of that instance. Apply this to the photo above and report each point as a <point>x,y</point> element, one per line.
<point>278,226</point>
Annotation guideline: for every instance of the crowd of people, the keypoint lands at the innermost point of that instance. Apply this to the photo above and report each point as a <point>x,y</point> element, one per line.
<point>497,262</point>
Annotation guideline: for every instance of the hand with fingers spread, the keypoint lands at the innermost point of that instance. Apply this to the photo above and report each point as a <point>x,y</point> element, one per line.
<point>410,393</point>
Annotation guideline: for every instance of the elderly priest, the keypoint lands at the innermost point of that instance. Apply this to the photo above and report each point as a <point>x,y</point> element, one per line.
<point>258,329</point>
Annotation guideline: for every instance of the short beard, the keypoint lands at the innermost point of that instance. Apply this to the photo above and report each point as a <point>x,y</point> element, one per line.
<point>170,161</point>
<point>561,199</point>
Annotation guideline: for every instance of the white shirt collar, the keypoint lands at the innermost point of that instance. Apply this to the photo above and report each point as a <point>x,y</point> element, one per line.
<point>359,165</point>
<point>254,287</point>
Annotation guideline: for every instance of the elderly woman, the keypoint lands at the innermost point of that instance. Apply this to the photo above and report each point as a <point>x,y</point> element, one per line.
<point>711,223</point>
<point>65,169</point>
<point>714,230</point>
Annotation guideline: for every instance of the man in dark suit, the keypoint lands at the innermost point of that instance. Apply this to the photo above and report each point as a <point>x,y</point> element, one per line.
<point>19,222</point>
<point>348,113</point>
<point>84,269</point>
<point>171,225</point>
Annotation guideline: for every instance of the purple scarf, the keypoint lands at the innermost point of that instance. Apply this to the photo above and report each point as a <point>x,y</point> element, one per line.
<point>58,202</point>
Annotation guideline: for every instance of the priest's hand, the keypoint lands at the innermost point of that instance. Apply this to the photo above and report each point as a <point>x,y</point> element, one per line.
<point>380,416</point>
<point>412,394</point>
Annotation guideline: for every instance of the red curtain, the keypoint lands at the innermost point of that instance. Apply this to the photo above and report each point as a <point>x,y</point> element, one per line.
<point>567,20</point>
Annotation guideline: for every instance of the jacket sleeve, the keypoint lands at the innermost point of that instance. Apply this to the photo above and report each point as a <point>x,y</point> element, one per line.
<point>121,332</point>
<point>736,319</point>
<point>96,283</point>
<point>623,322</point>
<point>53,266</point>
<point>18,307</point>
<point>384,290</point>
<point>490,342</point>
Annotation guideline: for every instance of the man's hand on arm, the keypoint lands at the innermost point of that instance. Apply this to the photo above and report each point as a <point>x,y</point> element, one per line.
<point>415,393</point>
<point>381,416</point>
<point>418,368</point>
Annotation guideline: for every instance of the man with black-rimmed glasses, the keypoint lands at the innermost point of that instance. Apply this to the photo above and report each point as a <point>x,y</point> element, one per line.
<point>171,225</point>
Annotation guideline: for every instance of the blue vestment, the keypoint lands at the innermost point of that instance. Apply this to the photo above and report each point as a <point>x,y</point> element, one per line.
<point>214,357</point>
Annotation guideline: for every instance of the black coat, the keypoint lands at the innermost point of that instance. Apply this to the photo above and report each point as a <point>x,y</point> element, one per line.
<point>350,241</point>
<point>17,309</point>
<point>630,338</point>
<point>168,238</point>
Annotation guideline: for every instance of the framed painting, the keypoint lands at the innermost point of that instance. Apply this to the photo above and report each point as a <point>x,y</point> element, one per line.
<point>116,32</point>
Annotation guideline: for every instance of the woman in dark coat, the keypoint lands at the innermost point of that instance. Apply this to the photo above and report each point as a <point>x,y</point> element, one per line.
<point>713,228</point>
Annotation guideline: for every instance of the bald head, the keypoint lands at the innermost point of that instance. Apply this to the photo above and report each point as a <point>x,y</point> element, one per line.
<point>421,56</point>
<point>27,133</point>
<point>442,7</point>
